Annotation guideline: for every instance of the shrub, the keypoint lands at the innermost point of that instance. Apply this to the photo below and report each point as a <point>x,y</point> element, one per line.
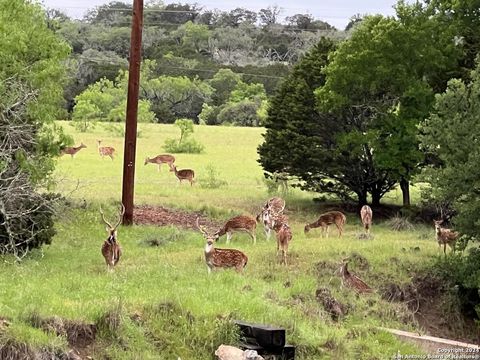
<point>211,180</point>
<point>188,146</point>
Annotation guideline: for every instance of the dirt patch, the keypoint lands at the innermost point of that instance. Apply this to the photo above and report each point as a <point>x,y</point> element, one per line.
<point>161,216</point>
<point>336,309</point>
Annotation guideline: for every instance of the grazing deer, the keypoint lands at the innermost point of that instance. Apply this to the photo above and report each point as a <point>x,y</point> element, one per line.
<point>278,222</point>
<point>221,258</point>
<point>72,150</point>
<point>161,159</point>
<point>111,249</point>
<point>238,223</point>
<point>366,216</point>
<point>105,150</point>
<point>445,236</point>
<point>184,174</point>
<point>325,220</point>
<point>276,205</point>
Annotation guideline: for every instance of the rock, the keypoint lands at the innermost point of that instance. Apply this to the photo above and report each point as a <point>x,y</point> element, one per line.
<point>227,352</point>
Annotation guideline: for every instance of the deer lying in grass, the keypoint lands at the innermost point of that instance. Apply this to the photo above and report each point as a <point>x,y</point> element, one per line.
<point>445,236</point>
<point>72,150</point>
<point>105,150</point>
<point>239,223</point>
<point>111,249</point>
<point>161,159</point>
<point>276,205</point>
<point>366,216</point>
<point>325,220</point>
<point>278,222</point>
<point>184,174</point>
<point>221,258</point>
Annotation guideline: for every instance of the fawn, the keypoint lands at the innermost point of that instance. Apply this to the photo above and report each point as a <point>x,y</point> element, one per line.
<point>238,223</point>
<point>278,223</point>
<point>366,216</point>
<point>221,258</point>
<point>276,205</point>
<point>445,236</point>
<point>105,150</point>
<point>184,174</point>
<point>111,249</point>
<point>72,150</point>
<point>325,220</point>
<point>161,159</point>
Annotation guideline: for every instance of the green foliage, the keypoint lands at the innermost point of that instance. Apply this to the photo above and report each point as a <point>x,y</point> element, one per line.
<point>209,115</point>
<point>185,144</point>
<point>85,115</point>
<point>223,82</point>
<point>242,113</point>
<point>211,178</point>
<point>451,133</point>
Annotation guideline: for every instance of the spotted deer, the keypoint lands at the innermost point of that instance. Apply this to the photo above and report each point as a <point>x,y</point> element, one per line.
<point>72,150</point>
<point>239,223</point>
<point>221,258</point>
<point>111,249</point>
<point>184,174</point>
<point>325,220</point>
<point>105,150</point>
<point>366,216</point>
<point>445,236</point>
<point>276,205</point>
<point>278,223</point>
<point>161,159</point>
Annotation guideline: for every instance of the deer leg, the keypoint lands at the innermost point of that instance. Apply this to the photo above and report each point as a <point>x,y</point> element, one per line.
<point>327,230</point>
<point>284,252</point>
<point>209,270</point>
<point>229,236</point>
<point>339,231</point>
<point>254,237</point>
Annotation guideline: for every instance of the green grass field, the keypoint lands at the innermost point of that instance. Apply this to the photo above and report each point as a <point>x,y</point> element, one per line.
<point>165,304</point>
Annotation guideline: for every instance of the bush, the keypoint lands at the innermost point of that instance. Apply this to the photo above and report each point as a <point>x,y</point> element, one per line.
<point>188,146</point>
<point>211,180</point>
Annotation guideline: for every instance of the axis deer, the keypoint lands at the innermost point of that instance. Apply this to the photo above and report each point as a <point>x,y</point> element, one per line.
<point>161,159</point>
<point>325,220</point>
<point>445,236</point>
<point>111,249</point>
<point>221,258</point>
<point>278,223</point>
<point>184,174</point>
<point>366,216</point>
<point>275,204</point>
<point>72,150</point>
<point>105,150</point>
<point>238,223</point>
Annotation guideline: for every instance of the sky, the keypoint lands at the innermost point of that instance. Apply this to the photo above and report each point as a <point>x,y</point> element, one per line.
<point>335,12</point>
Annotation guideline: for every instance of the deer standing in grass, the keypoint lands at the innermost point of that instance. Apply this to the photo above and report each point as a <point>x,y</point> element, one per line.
<point>366,216</point>
<point>276,205</point>
<point>72,150</point>
<point>239,223</point>
<point>445,236</point>
<point>105,150</point>
<point>278,222</point>
<point>161,159</point>
<point>111,249</point>
<point>325,220</point>
<point>184,174</point>
<point>221,258</point>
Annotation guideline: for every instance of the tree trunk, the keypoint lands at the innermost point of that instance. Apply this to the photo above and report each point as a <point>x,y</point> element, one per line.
<point>362,198</point>
<point>405,186</point>
<point>376,198</point>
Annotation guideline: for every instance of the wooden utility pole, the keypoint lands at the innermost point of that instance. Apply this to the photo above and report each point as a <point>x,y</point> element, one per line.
<point>132,107</point>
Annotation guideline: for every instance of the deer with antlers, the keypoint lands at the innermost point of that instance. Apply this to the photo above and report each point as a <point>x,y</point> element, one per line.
<point>366,216</point>
<point>105,150</point>
<point>445,236</point>
<point>184,174</point>
<point>325,220</point>
<point>273,205</point>
<point>239,223</point>
<point>111,249</point>
<point>72,150</point>
<point>221,258</point>
<point>161,159</point>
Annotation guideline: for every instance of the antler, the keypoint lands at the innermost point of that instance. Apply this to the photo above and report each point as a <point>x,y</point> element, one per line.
<point>120,216</point>
<point>200,227</point>
<point>105,221</point>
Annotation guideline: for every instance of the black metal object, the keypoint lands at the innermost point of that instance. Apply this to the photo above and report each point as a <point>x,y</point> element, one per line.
<point>266,340</point>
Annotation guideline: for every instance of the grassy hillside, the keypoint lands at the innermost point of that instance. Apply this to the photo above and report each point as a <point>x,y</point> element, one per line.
<point>160,303</point>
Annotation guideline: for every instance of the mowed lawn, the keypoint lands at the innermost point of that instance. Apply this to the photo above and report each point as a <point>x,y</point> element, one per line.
<point>69,278</point>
